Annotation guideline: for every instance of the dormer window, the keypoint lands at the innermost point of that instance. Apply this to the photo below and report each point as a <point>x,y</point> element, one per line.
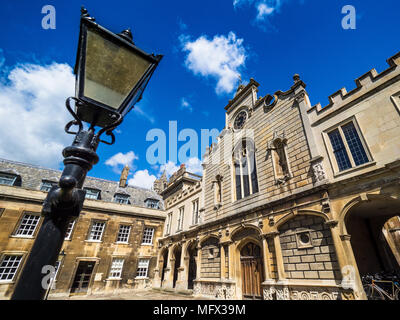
<point>8,179</point>
<point>47,185</point>
<point>152,203</point>
<point>93,194</point>
<point>121,198</point>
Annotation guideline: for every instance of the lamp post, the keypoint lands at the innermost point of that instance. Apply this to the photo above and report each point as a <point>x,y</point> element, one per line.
<point>111,76</point>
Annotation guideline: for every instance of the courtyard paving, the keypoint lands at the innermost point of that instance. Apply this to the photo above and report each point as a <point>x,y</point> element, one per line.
<point>149,294</point>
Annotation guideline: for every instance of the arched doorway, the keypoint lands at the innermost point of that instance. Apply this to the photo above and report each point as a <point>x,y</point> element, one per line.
<point>192,253</point>
<point>164,265</point>
<point>374,246</point>
<point>252,271</point>
<point>177,264</point>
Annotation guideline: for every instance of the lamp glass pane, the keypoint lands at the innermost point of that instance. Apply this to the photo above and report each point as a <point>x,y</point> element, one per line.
<point>111,71</point>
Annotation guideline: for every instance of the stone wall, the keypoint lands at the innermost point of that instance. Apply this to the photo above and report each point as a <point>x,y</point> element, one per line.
<point>210,259</point>
<point>312,259</point>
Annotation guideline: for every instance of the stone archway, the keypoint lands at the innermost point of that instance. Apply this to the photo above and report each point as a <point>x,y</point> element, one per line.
<point>374,247</point>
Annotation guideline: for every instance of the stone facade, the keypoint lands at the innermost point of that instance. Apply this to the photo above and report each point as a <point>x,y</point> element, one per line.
<point>299,201</point>
<point>25,198</point>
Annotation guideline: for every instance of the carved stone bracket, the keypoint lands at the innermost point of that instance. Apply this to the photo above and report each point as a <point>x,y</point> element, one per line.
<point>318,169</point>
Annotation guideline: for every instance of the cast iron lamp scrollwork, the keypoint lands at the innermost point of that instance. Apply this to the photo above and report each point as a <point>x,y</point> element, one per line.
<point>111,76</point>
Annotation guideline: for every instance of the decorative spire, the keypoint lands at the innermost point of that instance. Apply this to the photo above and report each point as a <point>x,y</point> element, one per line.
<point>296,78</point>
<point>127,35</point>
<point>85,14</point>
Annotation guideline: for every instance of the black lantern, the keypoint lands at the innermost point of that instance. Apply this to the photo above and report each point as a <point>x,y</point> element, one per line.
<point>111,73</point>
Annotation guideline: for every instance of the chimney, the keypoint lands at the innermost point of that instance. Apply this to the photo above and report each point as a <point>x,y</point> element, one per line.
<point>124,177</point>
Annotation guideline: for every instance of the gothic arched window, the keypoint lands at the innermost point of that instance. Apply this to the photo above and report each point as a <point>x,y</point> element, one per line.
<point>245,171</point>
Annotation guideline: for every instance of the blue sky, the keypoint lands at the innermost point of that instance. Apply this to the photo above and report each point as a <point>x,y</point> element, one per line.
<point>206,46</point>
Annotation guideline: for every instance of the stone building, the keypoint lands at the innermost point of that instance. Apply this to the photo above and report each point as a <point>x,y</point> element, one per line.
<point>296,201</point>
<point>112,245</point>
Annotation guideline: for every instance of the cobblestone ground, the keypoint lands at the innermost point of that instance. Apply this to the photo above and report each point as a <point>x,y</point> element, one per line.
<point>133,295</point>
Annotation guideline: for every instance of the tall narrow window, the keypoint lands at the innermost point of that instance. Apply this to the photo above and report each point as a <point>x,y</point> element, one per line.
<point>244,162</point>
<point>339,150</point>
<point>180,218</point>
<point>195,219</point>
<point>347,147</point>
<point>69,230</point>
<point>169,222</point>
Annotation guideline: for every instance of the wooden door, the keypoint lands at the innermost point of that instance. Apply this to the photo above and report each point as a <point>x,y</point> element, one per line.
<point>82,277</point>
<point>252,271</point>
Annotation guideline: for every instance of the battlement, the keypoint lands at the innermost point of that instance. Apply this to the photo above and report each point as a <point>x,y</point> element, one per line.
<point>364,84</point>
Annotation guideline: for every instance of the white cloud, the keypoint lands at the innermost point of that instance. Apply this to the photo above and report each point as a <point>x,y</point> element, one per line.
<point>33,113</point>
<point>169,168</point>
<point>120,160</point>
<point>142,179</point>
<point>263,11</point>
<point>264,8</point>
<point>220,58</point>
<point>193,165</point>
<point>185,105</point>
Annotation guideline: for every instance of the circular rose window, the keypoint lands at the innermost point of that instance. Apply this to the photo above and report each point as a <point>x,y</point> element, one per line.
<point>240,120</point>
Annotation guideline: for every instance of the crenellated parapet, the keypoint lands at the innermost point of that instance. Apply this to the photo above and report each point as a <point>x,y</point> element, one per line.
<point>368,83</point>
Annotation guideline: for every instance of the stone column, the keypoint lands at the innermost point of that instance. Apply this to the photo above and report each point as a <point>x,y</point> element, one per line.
<point>198,262</point>
<point>266,254</point>
<point>167,283</point>
<point>231,262</point>
<point>181,282</point>
<point>222,261</point>
<point>279,258</point>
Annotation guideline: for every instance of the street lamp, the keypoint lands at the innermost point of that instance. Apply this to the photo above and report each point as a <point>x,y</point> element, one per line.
<point>111,76</point>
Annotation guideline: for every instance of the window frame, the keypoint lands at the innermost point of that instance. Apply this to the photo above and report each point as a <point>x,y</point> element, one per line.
<point>330,151</point>
<point>21,219</point>
<point>52,184</point>
<point>68,237</point>
<point>147,268</point>
<point>195,212</point>
<point>92,189</point>
<point>18,268</point>
<point>168,224</point>
<point>250,146</point>
<point>91,227</point>
<point>144,235</point>
<point>119,277</point>
<point>5,174</point>
<point>153,201</point>
<point>129,233</point>
<point>181,216</point>
<point>123,195</point>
